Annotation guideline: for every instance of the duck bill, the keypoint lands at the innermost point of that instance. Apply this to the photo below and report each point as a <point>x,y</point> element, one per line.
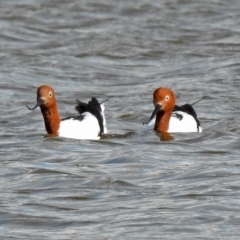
<point>157,108</point>
<point>39,103</point>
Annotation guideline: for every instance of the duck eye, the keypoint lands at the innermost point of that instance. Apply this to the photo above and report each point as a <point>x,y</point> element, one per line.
<point>50,94</point>
<point>167,98</point>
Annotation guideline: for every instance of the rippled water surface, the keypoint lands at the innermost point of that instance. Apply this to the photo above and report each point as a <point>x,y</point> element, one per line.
<point>131,184</point>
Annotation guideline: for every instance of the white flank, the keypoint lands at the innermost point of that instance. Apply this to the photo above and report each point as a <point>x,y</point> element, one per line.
<point>187,124</point>
<point>87,129</point>
<point>104,119</point>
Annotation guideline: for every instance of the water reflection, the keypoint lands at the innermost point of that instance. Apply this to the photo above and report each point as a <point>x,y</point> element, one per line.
<point>165,136</point>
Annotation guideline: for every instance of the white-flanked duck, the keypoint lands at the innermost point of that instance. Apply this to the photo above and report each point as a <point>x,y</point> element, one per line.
<point>90,124</point>
<point>168,117</point>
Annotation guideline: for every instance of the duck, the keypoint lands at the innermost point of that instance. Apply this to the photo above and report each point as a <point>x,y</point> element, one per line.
<point>171,118</point>
<point>89,124</point>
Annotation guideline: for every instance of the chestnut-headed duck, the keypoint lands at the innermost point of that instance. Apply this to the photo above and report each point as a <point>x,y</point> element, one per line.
<point>171,118</point>
<point>90,124</point>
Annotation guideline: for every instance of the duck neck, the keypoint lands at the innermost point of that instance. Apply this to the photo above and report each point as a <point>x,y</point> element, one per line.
<point>52,119</point>
<point>162,121</point>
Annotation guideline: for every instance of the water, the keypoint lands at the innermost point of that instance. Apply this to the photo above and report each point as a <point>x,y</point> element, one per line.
<point>130,184</point>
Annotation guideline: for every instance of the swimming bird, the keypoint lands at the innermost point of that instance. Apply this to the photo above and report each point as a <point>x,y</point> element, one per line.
<point>168,117</point>
<point>89,124</point>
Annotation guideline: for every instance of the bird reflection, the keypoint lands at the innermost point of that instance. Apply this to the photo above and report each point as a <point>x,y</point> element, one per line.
<point>165,136</point>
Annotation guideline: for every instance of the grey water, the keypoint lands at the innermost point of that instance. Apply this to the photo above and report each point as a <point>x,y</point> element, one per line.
<point>131,184</point>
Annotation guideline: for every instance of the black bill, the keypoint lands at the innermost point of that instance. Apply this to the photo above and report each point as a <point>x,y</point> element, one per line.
<point>39,102</point>
<point>155,111</point>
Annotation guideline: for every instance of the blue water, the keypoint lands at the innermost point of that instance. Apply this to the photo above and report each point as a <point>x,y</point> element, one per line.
<point>130,184</point>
